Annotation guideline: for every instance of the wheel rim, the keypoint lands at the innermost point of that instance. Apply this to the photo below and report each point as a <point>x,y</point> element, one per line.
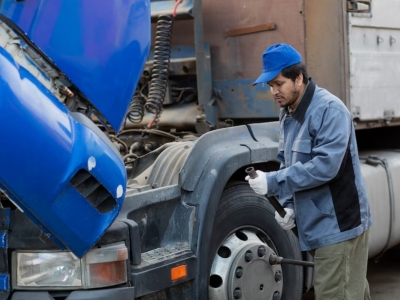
<point>241,268</point>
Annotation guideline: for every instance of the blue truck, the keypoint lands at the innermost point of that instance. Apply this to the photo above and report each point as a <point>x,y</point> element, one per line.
<point>127,126</point>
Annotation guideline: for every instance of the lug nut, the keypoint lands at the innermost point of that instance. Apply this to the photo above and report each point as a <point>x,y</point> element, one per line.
<point>278,276</point>
<point>248,256</point>
<point>261,251</point>
<point>239,272</point>
<point>237,294</point>
<point>276,296</point>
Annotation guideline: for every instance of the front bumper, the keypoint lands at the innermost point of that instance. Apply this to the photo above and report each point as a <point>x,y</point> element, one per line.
<point>121,293</point>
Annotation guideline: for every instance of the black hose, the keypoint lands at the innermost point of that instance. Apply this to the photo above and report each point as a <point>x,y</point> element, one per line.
<point>136,108</point>
<point>160,69</point>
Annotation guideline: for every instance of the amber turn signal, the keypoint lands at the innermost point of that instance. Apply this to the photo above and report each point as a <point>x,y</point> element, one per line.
<point>178,272</point>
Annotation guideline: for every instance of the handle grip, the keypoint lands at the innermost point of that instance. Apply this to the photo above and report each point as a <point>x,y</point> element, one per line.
<point>278,207</point>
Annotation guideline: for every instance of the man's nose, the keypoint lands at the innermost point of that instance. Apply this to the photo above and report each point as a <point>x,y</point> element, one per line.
<point>274,91</point>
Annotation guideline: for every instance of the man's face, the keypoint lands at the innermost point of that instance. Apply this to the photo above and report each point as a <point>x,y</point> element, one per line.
<point>285,91</point>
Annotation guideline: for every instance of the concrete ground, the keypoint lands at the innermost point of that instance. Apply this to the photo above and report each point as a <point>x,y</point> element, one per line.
<point>383,277</point>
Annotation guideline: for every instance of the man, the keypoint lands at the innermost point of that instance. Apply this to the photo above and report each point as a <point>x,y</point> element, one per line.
<point>319,183</point>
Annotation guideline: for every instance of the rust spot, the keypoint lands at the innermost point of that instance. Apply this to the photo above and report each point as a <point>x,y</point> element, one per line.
<point>263,96</point>
<point>242,97</point>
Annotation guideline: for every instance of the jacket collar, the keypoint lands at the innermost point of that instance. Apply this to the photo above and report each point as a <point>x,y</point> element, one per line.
<point>305,101</point>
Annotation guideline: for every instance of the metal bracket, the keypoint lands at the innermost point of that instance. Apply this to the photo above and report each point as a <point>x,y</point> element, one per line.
<point>226,123</point>
<point>358,6</point>
<point>351,6</point>
<point>388,115</point>
<point>202,125</point>
<point>165,7</point>
<point>392,40</point>
<point>356,112</point>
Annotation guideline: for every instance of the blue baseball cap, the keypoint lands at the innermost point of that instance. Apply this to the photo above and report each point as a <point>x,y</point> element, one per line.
<point>276,58</point>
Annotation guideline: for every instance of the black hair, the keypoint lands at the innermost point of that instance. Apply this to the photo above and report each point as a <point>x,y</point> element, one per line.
<point>293,71</point>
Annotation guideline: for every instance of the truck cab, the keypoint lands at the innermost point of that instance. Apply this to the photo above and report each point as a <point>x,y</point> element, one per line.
<point>128,126</point>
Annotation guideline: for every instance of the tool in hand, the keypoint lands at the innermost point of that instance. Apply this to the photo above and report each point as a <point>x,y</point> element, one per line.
<point>274,259</point>
<point>278,207</point>
<point>277,260</point>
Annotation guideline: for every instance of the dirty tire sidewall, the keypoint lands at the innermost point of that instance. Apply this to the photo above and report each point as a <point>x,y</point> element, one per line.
<point>240,207</point>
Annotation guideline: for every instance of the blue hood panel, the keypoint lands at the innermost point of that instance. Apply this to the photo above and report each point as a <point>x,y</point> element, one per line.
<point>58,167</point>
<point>101,46</point>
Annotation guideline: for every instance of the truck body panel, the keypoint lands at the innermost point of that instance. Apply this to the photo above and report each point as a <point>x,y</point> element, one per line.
<point>374,58</point>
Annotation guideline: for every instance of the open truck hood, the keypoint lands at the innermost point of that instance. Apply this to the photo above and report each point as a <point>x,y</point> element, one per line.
<point>56,165</point>
<point>101,46</point>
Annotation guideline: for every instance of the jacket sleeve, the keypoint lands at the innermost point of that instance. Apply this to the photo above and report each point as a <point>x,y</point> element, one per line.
<point>285,202</point>
<point>331,141</point>
<point>281,155</point>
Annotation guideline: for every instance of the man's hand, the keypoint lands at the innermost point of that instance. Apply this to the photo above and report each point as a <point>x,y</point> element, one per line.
<point>288,221</point>
<point>259,184</point>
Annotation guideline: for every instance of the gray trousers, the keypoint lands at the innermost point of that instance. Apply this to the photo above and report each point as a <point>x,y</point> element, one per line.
<point>340,270</point>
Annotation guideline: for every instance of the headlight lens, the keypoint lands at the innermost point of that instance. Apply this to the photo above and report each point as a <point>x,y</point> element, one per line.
<point>48,269</point>
<point>100,267</point>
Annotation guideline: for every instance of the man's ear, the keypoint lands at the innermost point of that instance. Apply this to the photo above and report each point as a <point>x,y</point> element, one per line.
<point>299,80</point>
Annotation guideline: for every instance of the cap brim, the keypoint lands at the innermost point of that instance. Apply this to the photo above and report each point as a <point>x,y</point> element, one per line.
<point>267,76</point>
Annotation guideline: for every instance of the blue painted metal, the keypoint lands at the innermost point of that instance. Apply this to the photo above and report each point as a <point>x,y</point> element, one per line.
<point>3,240</point>
<point>207,100</point>
<point>4,282</point>
<point>178,51</point>
<point>45,149</point>
<point>5,214</point>
<point>240,99</point>
<point>4,273</point>
<point>102,48</point>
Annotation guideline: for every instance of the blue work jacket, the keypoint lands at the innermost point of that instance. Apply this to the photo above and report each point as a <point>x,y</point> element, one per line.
<point>320,175</point>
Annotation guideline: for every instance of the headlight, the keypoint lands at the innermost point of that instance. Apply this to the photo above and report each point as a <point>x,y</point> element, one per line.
<point>100,267</point>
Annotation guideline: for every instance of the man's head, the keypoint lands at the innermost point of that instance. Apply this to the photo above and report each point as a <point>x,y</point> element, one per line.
<point>285,73</point>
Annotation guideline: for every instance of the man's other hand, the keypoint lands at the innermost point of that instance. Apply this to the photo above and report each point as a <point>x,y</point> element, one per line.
<point>259,184</point>
<point>287,222</point>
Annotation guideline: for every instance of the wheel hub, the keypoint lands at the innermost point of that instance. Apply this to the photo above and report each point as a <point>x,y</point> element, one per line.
<point>241,270</point>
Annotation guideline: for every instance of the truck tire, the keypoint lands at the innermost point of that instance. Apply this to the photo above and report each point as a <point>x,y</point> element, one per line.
<point>244,225</point>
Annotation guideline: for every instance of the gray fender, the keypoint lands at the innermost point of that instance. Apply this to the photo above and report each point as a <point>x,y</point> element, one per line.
<point>215,157</point>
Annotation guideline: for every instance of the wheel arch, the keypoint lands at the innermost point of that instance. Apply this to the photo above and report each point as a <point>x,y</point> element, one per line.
<point>215,159</point>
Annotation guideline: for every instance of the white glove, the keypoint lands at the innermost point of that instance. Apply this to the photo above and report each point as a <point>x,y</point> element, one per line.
<point>288,222</point>
<point>259,184</point>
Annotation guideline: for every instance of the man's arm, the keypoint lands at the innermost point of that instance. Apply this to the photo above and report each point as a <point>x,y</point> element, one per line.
<point>288,203</point>
<point>330,147</point>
